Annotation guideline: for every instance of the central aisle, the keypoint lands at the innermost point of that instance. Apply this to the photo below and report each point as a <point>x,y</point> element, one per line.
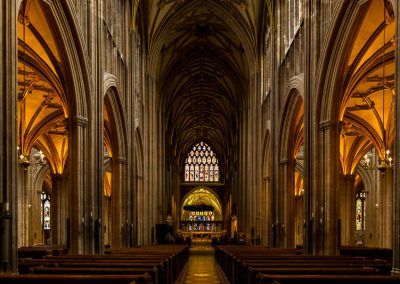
<point>202,266</point>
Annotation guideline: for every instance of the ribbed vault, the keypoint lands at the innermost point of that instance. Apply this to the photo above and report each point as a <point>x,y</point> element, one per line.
<point>42,103</point>
<point>202,72</point>
<point>367,110</point>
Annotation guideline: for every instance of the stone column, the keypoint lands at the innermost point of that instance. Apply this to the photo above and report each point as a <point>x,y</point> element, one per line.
<point>325,199</point>
<point>309,169</point>
<point>151,207</point>
<point>78,221</point>
<point>286,203</point>
<point>299,221</point>
<point>385,207</point>
<point>251,160</point>
<point>24,175</point>
<point>347,209</point>
<point>8,131</point>
<point>273,181</point>
<point>396,182</point>
<point>120,228</point>
<point>56,204</point>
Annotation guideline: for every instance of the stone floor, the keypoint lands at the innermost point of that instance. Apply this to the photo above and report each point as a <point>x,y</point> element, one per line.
<point>202,267</point>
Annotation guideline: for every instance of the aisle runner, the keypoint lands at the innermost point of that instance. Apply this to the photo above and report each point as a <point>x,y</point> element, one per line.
<point>202,265</point>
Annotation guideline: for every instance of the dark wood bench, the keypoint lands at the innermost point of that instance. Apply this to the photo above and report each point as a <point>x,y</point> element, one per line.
<point>78,279</point>
<point>161,264</point>
<point>371,252</point>
<point>326,279</point>
<point>242,265</point>
<point>252,272</point>
<point>99,271</point>
<point>40,251</point>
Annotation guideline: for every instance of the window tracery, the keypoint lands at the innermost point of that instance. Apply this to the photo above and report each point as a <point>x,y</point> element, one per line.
<point>201,164</point>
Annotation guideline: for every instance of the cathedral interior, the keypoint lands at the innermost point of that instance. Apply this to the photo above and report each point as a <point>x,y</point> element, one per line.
<point>275,123</point>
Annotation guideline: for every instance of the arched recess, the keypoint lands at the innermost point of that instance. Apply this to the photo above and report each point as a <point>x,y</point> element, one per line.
<point>115,145</point>
<point>208,221</point>
<point>291,142</point>
<point>355,78</point>
<point>57,125</point>
<point>299,204</point>
<point>36,229</point>
<point>139,210</point>
<point>369,236</point>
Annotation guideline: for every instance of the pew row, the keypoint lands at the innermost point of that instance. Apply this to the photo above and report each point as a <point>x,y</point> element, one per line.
<point>243,264</point>
<point>150,264</point>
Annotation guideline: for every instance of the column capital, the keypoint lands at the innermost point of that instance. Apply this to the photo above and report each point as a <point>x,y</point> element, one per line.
<point>56,176</point>
<point>284,161</point>
<point>325,125</point>
<point>349,177</point>
<point>80,121</point>
<point>120,160</point>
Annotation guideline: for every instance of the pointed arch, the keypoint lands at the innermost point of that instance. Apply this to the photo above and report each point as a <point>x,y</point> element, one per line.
<point>289,134</point>
<point>203,193</point>
<point>334,56</point>
<point>70,43</point>
<point>112,102</point>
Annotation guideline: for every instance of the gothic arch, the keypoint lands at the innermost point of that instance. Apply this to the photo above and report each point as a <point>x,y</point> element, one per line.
<point>113,102</point>
<point>292,107</point>
<point>65,26</point>
<point>238,24</point>
<point>40,176</point>
<point>218,199</point>
<point>366,178</point>
<point>291,138</point>
<point>116,126</point>
<point>333,57</point>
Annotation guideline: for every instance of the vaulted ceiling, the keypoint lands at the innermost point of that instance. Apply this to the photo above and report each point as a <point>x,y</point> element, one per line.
<point>367,111</point>
<point>204,50</point>
<point>42,107</point>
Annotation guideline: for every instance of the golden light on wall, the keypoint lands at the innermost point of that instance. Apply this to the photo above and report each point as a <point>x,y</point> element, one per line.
<point>203,195</point>
<point>367,107</point>
<point>298,184</point>
<point>42,108</point>
<point>107,184</point>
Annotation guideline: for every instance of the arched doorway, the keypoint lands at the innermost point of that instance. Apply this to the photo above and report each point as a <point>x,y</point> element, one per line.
<point>201,214</point>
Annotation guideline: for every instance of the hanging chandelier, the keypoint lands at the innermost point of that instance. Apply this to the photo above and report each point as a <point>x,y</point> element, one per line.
<point>23,159</point>
<point>382,165</point>
<point>198,207</point>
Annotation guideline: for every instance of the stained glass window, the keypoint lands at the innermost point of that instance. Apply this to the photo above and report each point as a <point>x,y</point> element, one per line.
<point>45,208</point>
<point>201,221</point>
<point>360,211</point>
<point>201,164</point>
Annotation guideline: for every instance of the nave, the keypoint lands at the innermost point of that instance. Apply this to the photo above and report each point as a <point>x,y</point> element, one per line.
<point>201,267</point>
<point>203,263</point>
<point>128,123</point>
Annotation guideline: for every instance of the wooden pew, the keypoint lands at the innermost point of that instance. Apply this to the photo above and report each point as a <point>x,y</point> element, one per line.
<point>160,264</point>
<point>326,279</point>
<point>252,272</point>
<point>40,251</point>
<point>75,279</point>
<point>99,271</point>
<point>26,265</point>
<point>371,252</point>
<point>242,264</point>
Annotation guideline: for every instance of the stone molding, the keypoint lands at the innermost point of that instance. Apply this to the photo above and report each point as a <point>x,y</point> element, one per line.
<point>81,121</point>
